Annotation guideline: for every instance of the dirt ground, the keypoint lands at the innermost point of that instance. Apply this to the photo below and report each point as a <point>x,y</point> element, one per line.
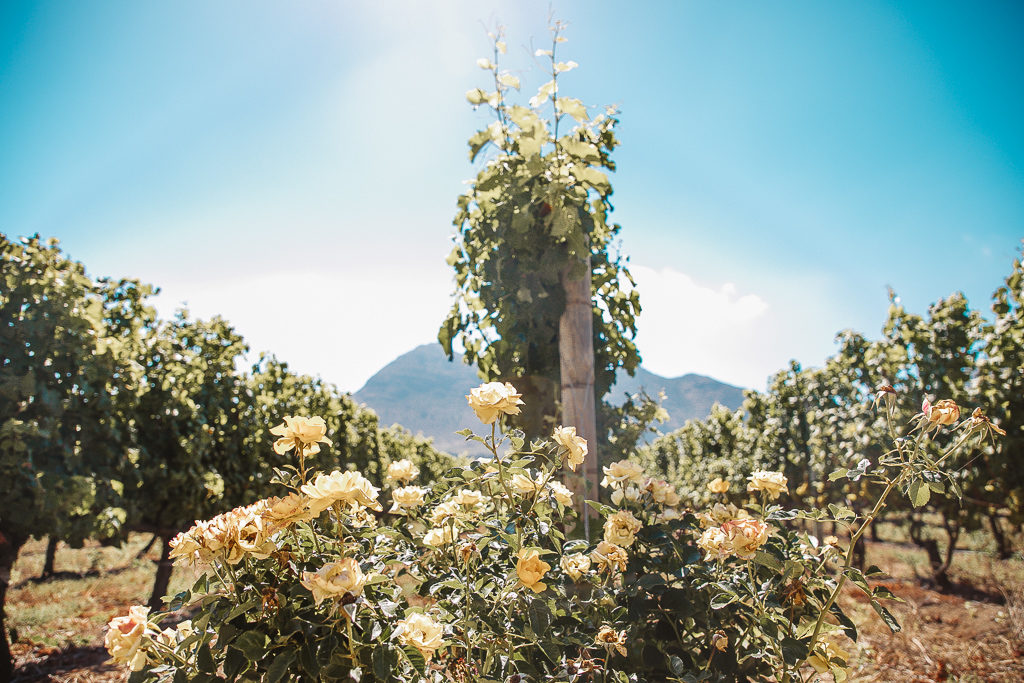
<point>973,634</point>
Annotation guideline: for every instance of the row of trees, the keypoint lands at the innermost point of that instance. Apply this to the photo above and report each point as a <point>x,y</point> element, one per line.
<point>112,419</point>
<point>813,421</point>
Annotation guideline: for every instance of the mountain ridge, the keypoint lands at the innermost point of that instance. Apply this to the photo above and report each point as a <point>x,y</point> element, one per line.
<point>425,393</point>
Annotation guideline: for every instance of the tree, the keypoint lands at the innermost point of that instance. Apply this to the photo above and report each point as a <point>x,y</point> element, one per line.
<point>61,369</point>
<point>537,279</point>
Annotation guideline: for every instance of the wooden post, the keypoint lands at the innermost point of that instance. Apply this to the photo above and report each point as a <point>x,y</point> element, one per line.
<point>576,357</point>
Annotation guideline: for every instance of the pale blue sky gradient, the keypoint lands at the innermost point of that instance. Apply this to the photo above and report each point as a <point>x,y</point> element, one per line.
<point>294,166</point>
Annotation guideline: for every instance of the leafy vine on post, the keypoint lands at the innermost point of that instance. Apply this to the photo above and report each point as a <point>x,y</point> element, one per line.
<point>541,298</point>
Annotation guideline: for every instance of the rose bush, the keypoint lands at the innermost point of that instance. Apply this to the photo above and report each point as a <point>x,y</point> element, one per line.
<point>479,577</point>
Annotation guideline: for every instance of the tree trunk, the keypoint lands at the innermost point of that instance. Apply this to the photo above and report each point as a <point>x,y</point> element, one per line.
<point>9,547</point>
<point>142,553</point>
<point>51,556</point>
<point>163,576</point>
<point>576,355</point>
<point>1002,544</point>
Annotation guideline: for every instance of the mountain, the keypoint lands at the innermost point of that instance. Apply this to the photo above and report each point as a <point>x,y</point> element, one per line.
<point>425,393</point>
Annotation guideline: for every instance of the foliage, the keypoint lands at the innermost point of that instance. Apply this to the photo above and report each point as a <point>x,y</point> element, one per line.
<point>474,579</point>
<point>536,211</point>
<point>811,421</point>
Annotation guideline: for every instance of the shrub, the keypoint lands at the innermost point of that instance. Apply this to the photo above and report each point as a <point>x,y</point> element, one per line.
<point>480,578</point>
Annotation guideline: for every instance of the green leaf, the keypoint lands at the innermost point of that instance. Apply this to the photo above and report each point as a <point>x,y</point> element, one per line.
<point>887,617</point>
<point>278,668</point>
<point>540,617</point>
<point>919,493</point>
<point>838,474</point>
<point>766,560</point>
<point>252,643</point>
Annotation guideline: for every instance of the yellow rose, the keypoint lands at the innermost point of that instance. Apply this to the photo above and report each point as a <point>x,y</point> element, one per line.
<point>407,498</point>
<point>422,632</point>
<point>288,510</point>
<point>630,493</point>
<point>439,536</point>
<point>560,492</point>
<point>447,509</point>
<point>253,536</point>
<point>611,639</point>
<point>618,473</point>
<point>307,433</point>
<point>335,580</point>
<point>718,485</point>
<point>746,536</point>
<point>523,485</point>
<point>772,483</point>
<point>125,639</point>
<point>531,569</point>
<point>403,470</point>
<point>609,557</point>
<point>468,498</point>
<point>185,548</point>
<point>575,565</point>
<point>347,487</point>
<point>575,446</point>
<point>720,514</point>
<point>490,401</point>
<point>663,492</point>
<point>621,527</point>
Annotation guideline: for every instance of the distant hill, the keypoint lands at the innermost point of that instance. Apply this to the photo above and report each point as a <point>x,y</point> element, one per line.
<point>425,393</point>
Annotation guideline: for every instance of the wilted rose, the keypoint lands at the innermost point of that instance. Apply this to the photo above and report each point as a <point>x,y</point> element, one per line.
<point>609,557</point>
<point>575,565</point>
<point>718,485</point>
<point>611,639</point>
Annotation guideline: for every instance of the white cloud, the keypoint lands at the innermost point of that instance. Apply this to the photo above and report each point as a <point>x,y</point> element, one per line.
<point>342,326</point>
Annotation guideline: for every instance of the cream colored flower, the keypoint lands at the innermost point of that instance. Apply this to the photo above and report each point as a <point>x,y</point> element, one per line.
<point>668,514</point>
<point>422,632</point>
<point>944,412</point>
<point>663,492</point>
<point>347,487</point>
<point>560,492</point>
<point>609,557</point>
<point>621,528</point>
<point>715,543</point>
<point>306,432</point>
<point>282,512</point>
<point>719,514</point>
<point>125,639</point>
<point>575,446</point>
<point>468,498</point>
<point>746,536</point>
<point>630,494</point>
<point>718,485</point>
<point>825,653</point>
<point>523,485</point>
<point>253,536</point>
<point>575,565</point>
<point>772,483</point>
<point>531,569</point>
<point>492,400</point>
<point>621,472</point>
<point>439,536</point>
<point>403,470</point>
<point>610,639</point>
<point>444,511</point>
<point>407,498</point>
<point>335,580</point>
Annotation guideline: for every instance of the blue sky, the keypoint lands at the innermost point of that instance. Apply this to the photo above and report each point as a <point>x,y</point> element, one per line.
<point>294,166</point>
